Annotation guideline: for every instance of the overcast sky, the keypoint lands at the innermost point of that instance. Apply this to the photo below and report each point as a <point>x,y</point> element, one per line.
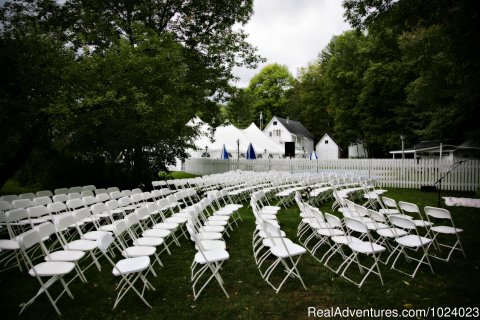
<point>291,32</point>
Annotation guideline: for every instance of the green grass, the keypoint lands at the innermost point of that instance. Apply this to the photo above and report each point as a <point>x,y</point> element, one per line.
<point>456,283</point>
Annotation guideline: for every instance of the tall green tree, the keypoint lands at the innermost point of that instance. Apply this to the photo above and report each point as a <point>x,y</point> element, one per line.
<point>270,89</point>
<point>134,73</point>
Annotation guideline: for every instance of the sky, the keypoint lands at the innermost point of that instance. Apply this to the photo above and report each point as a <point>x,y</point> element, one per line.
<point>291,32</point>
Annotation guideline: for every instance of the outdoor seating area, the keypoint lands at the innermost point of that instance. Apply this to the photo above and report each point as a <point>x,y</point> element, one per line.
<point>57,240</point>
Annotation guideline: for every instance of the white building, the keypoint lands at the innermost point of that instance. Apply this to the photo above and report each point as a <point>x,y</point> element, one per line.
<point>285,130</point>
<point>450,150</point>
<point>327,148</point>
<point>357,150</point>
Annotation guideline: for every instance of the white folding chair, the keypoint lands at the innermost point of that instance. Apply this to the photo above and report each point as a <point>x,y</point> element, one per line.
<point>53,270</point>
<point>441,232</point>
<point>130,270</point>
<point>366,247</point>
<point>412,241</point>
<point>286,253</point>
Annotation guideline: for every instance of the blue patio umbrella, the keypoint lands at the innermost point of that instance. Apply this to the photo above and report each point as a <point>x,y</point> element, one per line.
<point>251,153</point>
<point>224,154</point>
<point>313,156</point>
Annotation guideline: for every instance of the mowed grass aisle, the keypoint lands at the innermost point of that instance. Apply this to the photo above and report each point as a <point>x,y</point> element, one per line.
<point>454,284</point>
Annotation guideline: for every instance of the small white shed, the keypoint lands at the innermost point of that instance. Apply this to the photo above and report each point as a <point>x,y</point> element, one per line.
<point>327,148</point>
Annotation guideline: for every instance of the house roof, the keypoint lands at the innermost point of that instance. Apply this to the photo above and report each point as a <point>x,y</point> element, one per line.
<point>430,145</point>
<point>295,127</point>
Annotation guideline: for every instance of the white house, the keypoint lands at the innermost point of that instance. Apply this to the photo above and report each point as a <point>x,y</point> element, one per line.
<point>327,148</point>
<point>285,130</point>
<point>357,150</point>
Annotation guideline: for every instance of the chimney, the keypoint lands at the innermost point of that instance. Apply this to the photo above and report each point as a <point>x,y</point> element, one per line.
<point>288,119</point>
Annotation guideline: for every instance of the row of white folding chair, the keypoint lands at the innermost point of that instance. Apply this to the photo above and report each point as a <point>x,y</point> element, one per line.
<point>270,241</point>
<point>210,255</point>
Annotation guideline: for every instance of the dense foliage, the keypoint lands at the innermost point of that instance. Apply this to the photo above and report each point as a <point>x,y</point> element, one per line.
<point>409,68</point>
<point>100,91</point>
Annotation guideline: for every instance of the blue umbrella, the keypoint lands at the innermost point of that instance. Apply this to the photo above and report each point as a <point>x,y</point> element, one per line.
<point>313,156</point>
<point>224,154</point>
<point>251,153</point>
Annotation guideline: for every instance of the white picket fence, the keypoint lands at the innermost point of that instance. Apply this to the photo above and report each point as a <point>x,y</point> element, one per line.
<point>393,173</point>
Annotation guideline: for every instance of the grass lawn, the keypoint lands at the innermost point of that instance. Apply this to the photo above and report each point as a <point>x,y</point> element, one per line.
<point>454,284</point>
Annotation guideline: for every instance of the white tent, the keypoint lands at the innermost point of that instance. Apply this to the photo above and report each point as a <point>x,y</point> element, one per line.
<point>228,135</point>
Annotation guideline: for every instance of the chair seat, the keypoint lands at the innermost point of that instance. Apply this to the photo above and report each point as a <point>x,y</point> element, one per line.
<point>9,245</point>
<point>290,250</point>
<point>389,211</point>
<point>178,220</point>
<point>209,245</point>
<point>216,223</point>
<point>148,241</point>
<point>330,232</point>
<point>366,247</point>
<point>51,268</point>
<point>268,217</point>
<point>210,236</point>
<point>131,265</point>
<point>344,239</point>
<point>93,235</point>
<point>391,232</point>
<point>446,229</point>
<point>262,234</point>
<point>422,223</point>
<point>211,256</point>
<point>82,245</point>
<point>218,218</point>
<point>156,233</point>
<point>138,251</point>
<point>166,225</point>
<point>65,255</point>
<point>211,229</point>
<point>413,241</point>
<point>107,227</point>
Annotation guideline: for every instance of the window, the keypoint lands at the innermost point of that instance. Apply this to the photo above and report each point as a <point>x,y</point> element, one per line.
<point>326,141</point>
<point>270,133</point>
<point>274,123</point>
<point>277,133</point>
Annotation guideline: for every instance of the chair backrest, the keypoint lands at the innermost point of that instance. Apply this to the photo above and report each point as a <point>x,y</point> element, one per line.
<point>16,215</point>
<point>102,197</point>
<point>377,216</point>
<point>74,195</point>
<point>408,207</point>
<point>438,213</point>
<point>99,208</point>
<point>115,195</point>
<point>142,212</point>
<point>74,204</point>
<point>124,201</point>
<point>119,227</point>
<point>402,222</point>
<point>147,196</point>
<point>5,206</point>
<point>112,204</point>
<point>126,193</point>
<point>136,190</point>
<point>355,225</point>
<point>9,197</point>
<point>136,198</point>
<point>37,211</point>
<point>90,187</point>
<point>131,219</point>
<point>29,239</point>
<point>22,203</point>
<point>90,200</point>
<point>333,221</point>
<point>100,190</point>
<point>81,214</point>
<point>42,201</point>
<point>28,195</point>
<point>76,189</point>
<point>112,189</point>
<point>64,222</point>
<point>104,242</point>
<point>390,203</point>
<point>45,229</point>
<point>87,193</point>
<point>57,207</point>
<point>60,198</point>
<point>60,191</point>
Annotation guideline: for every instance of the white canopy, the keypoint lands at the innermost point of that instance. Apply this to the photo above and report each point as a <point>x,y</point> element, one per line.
<point>228,135</point>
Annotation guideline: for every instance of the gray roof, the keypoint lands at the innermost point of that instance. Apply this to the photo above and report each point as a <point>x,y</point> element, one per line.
<point>295,127</point>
